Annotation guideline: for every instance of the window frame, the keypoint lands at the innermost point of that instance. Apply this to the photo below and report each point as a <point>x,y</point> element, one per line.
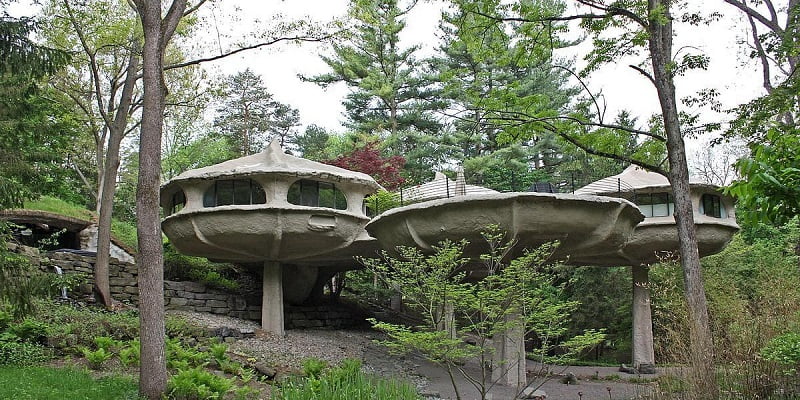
<point>255,193</point>
<point>311,193</point>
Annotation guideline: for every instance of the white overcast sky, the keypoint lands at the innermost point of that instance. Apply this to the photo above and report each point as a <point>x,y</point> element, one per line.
<point>730,72</point>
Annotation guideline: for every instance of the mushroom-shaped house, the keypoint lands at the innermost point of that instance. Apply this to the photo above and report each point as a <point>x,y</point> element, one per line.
<point>268,207</point>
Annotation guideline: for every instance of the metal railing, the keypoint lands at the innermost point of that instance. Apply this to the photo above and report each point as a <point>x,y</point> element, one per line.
<point>441,188</point>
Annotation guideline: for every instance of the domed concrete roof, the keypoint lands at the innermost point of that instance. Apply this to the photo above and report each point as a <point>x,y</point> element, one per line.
<point>274,161</point>
<point>632,178</point>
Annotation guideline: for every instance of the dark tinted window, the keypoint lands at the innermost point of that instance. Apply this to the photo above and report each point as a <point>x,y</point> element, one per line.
<point>234,191</point>
<point>655,204</point>
<point>711,205</point>
<point>310,193</point>
<point>178,202</point>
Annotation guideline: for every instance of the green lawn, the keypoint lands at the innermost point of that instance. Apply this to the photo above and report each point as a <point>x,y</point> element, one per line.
<point>46,383</point>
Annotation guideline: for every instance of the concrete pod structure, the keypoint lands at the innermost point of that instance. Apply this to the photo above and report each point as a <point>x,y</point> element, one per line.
<point>269,208</point>
<point>587,227</point>
<point>656,237</point>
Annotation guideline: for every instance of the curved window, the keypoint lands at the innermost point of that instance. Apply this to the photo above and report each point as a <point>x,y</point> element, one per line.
<point>310,193</point>
<point>711,205</point>
<point>177,202</point>
<point>655,204</point>
<point>234,191</point>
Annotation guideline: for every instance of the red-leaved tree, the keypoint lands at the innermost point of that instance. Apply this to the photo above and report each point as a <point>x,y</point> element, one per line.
<point>368,159</point>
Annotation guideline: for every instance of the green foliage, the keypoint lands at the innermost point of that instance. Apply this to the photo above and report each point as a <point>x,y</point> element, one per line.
<point>177,326</point>
<point>345,382</point>
<point>107,343</point>
<point>72,328</point>
<point>382,201</point>
<point>30,331</point>
<point>96,358</point>
<point>178,266</point>
<point>131,353</point>
<point>313,367</point>
<point>219,351</point>
<point>46,383</point>
<point>783,349</point>
<point>197,384</point>
<point>22,353</point>
<point>20,283</point>
<point>516,294</point>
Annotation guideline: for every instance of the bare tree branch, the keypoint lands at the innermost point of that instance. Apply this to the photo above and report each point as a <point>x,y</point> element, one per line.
<point>643,72</point>
<point>773,25</point>
<point>251,47</point>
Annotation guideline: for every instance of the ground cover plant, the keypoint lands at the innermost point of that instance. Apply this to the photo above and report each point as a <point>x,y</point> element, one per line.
<point>343,382</point>
<point>47,383</point>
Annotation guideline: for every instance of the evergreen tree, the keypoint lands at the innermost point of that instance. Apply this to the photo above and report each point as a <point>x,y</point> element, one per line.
<point>249,117</point>
<point>389,96</point>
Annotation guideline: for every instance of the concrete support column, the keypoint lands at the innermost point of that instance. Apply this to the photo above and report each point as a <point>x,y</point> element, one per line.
<point>643,355</point>
<point>272,299</point>
<point>508,362</point>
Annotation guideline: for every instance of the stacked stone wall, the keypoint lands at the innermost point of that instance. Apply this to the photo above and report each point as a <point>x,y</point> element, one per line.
<point>190,296</point>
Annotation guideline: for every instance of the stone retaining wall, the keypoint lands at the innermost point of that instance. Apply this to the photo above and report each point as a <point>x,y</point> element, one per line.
<point>191,296</point>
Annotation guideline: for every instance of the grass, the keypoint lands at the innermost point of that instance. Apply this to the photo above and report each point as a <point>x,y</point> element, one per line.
<point>58,206</point>
<point>124,231</point>
<point>47,383</point>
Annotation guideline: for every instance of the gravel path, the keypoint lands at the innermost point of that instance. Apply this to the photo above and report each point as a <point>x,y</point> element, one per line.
<point>286,355</point>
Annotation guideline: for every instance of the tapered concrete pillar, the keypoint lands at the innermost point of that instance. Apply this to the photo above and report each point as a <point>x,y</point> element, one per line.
<point>643,355</point>
<point>272,299</point>
<point>508,362</point>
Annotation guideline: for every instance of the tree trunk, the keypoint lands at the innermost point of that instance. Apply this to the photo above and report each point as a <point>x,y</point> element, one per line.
<point>116,132</point>
<point>701,355</point>
<point>157,33</point>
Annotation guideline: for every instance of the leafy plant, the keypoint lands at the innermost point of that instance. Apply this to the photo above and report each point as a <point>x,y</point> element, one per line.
<point>107,343</point>
<point>345,382</point>
<point>97,357</point>
<point>313,367</point>
<point>130,354</point>
<point>784,349</point>
<point>22,353</point>
<point>218,351</point>
<point>30,330</point>
<point>197,383</point>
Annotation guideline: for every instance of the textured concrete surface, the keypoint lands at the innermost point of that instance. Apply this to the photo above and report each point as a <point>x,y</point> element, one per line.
<point>587,227</point>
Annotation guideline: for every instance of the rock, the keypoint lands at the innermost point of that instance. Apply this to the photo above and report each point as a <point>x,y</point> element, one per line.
<point>647,369</point>
<point>569,379</point>
<point>628,370</point>
<point>429,393</point>
<point>265,370</point>
<point>534,394</point>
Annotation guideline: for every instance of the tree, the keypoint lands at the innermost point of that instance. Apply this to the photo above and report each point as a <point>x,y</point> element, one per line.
<point>249,117</point>
<point>769,187</point>
<point>157,33</point>
<point>368,159</point>
<point>519,294</point>
<point>312,144</point>
<point>388,95</point>
<point>621,29</point>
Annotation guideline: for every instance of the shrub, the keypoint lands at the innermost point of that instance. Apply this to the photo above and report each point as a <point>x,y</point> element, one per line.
<point>22,354</point>
<point>130,354</point>
<point>181,327</point>
<point>312,367</point>
<point>98,357</point>
<point>196,383</point>
<point>107,343</point>
<point>783,349</point>
<point>182,267</point>
<point>218,351</point>
<point>30,331</point>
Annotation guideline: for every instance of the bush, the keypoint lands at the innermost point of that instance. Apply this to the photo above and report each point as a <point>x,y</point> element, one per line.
<point>783,349</point>
<point>182,267</point>
<point>130,354</point>
<point>98,357</point>
<point>22,354</point>
<point>313,367</point>
<point>196,383</point>
<point>29,331</point>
